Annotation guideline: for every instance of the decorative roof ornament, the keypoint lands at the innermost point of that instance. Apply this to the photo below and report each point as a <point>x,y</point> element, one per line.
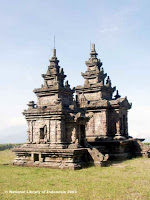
<point>108,80</point>
<point>117,95</point>
<point>93,51</point>
<point>53,61</point>
<point>102,70</point>
<point>67,84</point>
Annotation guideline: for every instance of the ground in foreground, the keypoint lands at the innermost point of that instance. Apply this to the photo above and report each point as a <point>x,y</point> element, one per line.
<point>129,180</point>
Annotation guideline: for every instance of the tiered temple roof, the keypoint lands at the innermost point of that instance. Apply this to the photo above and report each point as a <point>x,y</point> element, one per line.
<point>95,79</point>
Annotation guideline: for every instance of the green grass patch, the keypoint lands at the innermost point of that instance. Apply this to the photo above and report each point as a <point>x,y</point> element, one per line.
<point>128,180</point>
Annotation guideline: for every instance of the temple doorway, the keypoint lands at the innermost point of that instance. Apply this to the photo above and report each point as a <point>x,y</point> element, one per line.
<point>82,135</point>
<point>36,157</point>
<point>42,133</point>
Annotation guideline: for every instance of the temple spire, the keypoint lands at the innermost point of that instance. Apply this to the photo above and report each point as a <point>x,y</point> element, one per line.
<point>93,51</point>
<point>53,60</point>
<point>54,52</point>
<point>93,47</point>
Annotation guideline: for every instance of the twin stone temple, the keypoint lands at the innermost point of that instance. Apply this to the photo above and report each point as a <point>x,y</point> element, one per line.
<point>67,132</point>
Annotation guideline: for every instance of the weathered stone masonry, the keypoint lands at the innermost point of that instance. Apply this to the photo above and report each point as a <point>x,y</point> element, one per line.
<point>64,132</point>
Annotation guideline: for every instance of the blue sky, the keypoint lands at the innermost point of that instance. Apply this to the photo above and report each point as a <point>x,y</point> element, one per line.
<point>120,30</point>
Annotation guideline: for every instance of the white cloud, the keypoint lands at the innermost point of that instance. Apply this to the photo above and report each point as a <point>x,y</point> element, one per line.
<point>139,125</point>
<point>7,122</point>
<point>17,121</point>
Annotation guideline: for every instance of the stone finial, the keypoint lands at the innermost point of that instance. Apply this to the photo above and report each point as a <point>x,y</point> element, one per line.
<point>54,52</point>
<point>31,104</point>
<point>53,60</point>
<point>93,51</point>
<point>61,71</point>
<point>93,47</point>
<point>108,82</point>
<point>117,95</point>
<point>67,84</point>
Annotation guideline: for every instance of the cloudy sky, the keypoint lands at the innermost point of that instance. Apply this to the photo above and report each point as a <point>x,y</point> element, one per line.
<point>120,30</point>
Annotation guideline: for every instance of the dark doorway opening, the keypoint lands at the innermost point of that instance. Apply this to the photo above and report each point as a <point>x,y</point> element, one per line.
<point>36,157</point>
<point>42,133</point>
<point>82,135</point>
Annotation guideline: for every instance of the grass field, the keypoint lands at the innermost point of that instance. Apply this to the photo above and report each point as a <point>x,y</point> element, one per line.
<point>129,180</point>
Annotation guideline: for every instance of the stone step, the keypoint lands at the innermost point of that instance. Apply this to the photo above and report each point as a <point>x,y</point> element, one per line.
<point>98,157</point>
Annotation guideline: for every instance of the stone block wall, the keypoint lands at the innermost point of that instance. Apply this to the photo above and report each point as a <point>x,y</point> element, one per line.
<point>97,124</point>
<point>46,130</point>
<point>92,96</point>
<point>47,100</point>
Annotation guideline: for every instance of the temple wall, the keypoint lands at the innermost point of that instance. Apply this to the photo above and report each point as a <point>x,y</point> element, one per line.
<point>36,126</point>
<point>51,130</point>
<point>93,81</point>
<point>95,96</point>
<point>106,95</point>
<point>47,100</point>
<point>91,68</point>
<point>92,96</point>
<point>56,135</point>
<point>97,125</point>
<point>30,132</point>
<point>70,132</point>
<point>51,82</point>
<point>63,131</point>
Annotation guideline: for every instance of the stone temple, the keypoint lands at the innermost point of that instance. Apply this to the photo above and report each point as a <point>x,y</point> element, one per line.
<point>67,132</point>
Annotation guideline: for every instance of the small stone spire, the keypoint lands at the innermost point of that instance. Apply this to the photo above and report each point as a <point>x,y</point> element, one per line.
<point>53,61</point>
<point>54,52</point>
<point>67,84</point>
<point>93,47</point>
<point>93,51</point>
<point>61,71</point>
<point>108,82</point>
<point>102,70</point>
<point>31,104</point>
<point>117,95</point>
